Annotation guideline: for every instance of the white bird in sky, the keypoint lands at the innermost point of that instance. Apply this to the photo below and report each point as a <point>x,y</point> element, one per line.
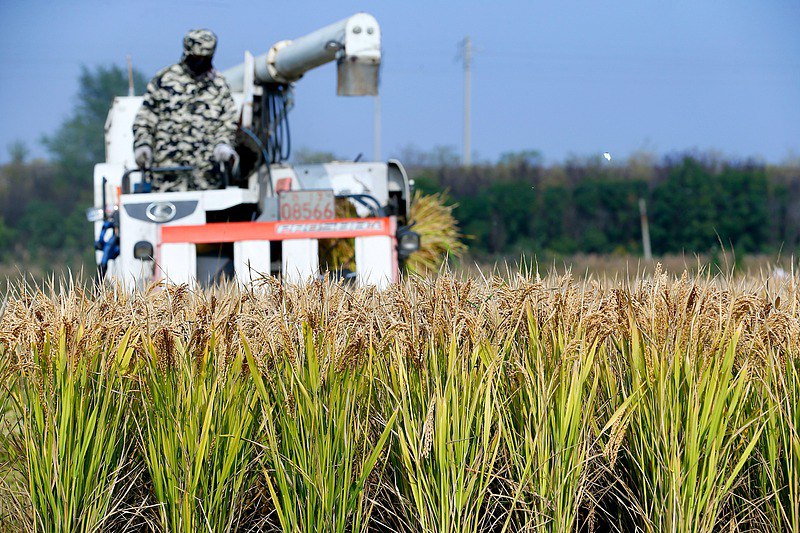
<point>607,155</point>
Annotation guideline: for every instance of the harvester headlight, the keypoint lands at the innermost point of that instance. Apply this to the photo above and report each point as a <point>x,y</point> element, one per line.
<point>143,250</point>
<point>407,243</point>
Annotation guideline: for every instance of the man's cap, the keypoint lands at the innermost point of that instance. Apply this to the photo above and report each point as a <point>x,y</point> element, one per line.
<point>200,43</point>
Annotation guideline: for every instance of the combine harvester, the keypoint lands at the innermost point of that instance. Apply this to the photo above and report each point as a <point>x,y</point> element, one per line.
<point>270,216</point>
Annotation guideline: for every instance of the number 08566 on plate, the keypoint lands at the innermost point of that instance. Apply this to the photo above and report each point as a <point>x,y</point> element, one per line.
<point>306,205</point>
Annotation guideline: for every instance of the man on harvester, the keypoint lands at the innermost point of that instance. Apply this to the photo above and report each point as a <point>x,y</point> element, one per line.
<point>187,119</point>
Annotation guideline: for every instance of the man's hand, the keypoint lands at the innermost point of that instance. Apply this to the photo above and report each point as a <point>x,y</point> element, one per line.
<point>223,153</point>
<point>143,156</point>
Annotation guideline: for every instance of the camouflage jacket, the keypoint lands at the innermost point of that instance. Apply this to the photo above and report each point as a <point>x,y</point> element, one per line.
<point>182,119</point>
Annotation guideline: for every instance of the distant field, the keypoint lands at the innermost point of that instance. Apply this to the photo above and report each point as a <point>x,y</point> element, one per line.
<point>653,402</point>
<point>621,266</point>
<point>624,266</point>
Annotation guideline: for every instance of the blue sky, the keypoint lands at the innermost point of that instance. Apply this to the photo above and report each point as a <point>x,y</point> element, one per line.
<point>572,77</point>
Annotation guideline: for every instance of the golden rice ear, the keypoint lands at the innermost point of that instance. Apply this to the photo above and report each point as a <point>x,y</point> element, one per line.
<point>432,218</point>
<point>507,334</point>
<point>339,253</point>
<point>438,230</point>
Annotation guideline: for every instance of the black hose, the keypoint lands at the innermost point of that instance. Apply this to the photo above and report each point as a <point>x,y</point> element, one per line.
<point>275,121</point>
<point>264,155</point>
<point>375,209</point>
<point>284,145</point>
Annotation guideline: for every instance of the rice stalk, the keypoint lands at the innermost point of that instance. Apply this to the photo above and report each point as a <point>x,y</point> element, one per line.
<point>688,436</point>
<point>75,413</point>
<point>198,435</point>
<point>446,440</point>
<point>321,449</point>
<point>440,239</point>
<point>547,433</point>
<point>780,442</point>
<point>12,456</point>
<point>436,404</point>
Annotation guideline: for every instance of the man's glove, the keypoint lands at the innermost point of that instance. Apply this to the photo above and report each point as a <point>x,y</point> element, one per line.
<point>143,156</point>
<point>223,153</point>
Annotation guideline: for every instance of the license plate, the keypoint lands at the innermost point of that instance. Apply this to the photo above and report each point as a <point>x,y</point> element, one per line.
<point>306,205</point>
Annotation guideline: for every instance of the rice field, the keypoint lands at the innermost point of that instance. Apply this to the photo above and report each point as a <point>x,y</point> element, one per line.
<point>516,403</point>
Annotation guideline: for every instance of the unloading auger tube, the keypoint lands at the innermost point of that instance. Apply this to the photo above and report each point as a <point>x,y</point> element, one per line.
<point>355,44</point>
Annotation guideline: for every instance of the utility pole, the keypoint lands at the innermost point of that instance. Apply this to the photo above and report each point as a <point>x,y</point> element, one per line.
<point>466,53</point>
<point>648,256</point>
<point>376,129</point>
<point>130,76</point>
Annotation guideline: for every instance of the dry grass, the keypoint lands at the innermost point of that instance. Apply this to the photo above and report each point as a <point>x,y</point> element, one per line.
<point>596,380</point>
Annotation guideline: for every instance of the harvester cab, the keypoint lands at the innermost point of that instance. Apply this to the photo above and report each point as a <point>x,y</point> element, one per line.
<point>343,218</point>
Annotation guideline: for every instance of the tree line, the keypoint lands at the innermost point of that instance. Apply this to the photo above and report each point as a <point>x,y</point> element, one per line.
<point>696,203</point>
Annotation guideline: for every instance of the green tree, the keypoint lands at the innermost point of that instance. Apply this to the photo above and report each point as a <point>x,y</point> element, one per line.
<point>522,158</point>
<point>43,226</point>
<point>695,200</point>
<point>7,236</point>
<point>608,213</point>
<point>79,142</point>
<point>18,152</point>
<point>742,207</point>
<point>683,209</point>
<point>21,182</point>
<point>43,203</point>
<point>704,202</point>
<point>549,223</point>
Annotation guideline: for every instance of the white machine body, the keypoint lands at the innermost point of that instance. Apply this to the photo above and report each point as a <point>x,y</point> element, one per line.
<point>162,235</point>
<point>143,217</point>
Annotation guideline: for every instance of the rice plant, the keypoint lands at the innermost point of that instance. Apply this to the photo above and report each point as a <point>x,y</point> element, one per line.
<point>688,433</point>
<point>12,470</point>
<point>75,410</point>
<point>780,443</point>
<point>446,440</point>
<point>547,417</point>
<point>515,403</point>
<point>321,449</point>
<point>198,432</point>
